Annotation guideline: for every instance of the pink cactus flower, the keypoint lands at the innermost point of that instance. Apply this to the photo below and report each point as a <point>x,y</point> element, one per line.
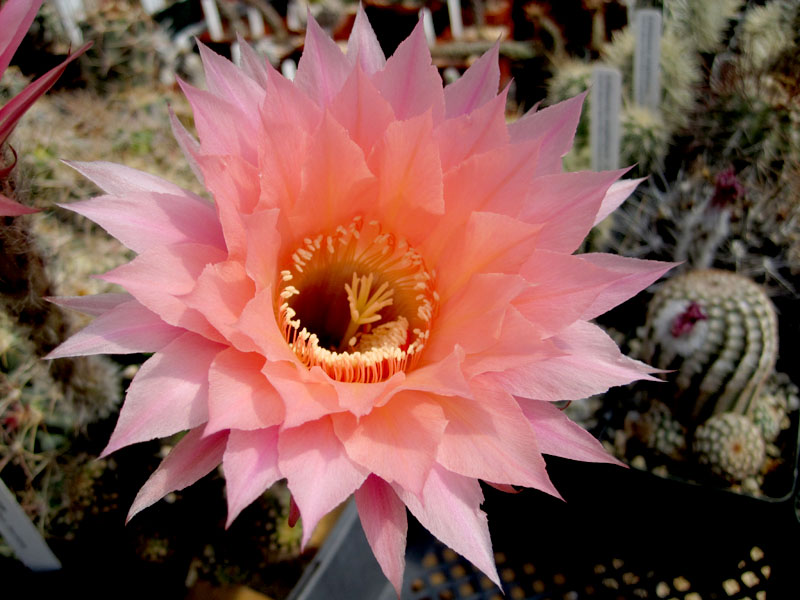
<point>382,300</point>
<point>16,17</point>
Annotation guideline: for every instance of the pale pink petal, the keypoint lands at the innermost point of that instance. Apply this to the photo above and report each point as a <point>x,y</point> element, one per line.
<point>127,328</point>
<point>477,86</point>
<point>616,195</point>
<point>263,246</point>
<point>632,276</point>
<point>363,46</point>
<point>253,65</point>
<point>449,507</point>
<point>490,243</point>
<point>119,180</point>
<point>250,465</point>
<point>558,436</point>
<point>383,518</point>
<point>16,17</point>
<point>169,393</point>
<point>591,363</point>
<point>518,343</point>
<point>158,277</point>
<point>563,288</point>
<point>288,104</point>
<point>323,67</point>
<point>239,395</point>
<point>555,127</point>
<point>396,441</point>
<point>192,458</point>
<point>489,438</point>
<point>221,125</point>
<point>189,146</point>
<point>305,399</point>
<point>472,134</point>
<point>141,220</point>
<point>91,305</point>
<point>566,204</point>
<point>361,109</point>
<point>320,474</point>
<point>406,164</point>
<point>10,208</point>
<point>410,82</point>
<point>229,82</point>
<point>473,318</point>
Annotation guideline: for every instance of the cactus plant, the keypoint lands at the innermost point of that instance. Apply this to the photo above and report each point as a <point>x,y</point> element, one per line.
<point>731,445</point>
<point>718,330</point>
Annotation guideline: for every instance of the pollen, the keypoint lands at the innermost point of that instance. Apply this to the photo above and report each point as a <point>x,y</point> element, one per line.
<point>357,302</point>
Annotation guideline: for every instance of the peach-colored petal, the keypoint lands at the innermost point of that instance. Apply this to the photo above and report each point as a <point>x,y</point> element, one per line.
<point>410,82</point>
<point>559,436</point>
<point>158,277</point>
<point>406,164</point>
<point>191,458</point>
<point>555,127</point>
<point>305,399</point>
<point>383,518</point>
<point>361,109</point>
<point>363,47</point>
<point>449,507</point>
<point>240,397</point>
<point>250,465</point>
<point>263,246</point>
<point>567,204</point>
<point>489,438</point>
<point>323,67</point>
<point>616,195</point>
<point>473,318</point>
<point>473,134</point>
<point>444,377</point>
<point>124,329</point>
<point>631,277</point>
<point>258,322</point>
<point>475,87</point>
<point>590,364</point>
<point>320,474</point>
<point>396,441</point>
<point>359,398</point>
<point>142,220</point>
<point>169,393</point>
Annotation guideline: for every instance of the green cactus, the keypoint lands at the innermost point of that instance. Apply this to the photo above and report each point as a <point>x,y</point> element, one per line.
<point>731,445</point>
<point>718,331</point>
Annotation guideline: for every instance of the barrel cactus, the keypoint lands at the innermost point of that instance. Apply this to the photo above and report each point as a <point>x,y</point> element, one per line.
<point>731,445</point>
<point>718,331</point>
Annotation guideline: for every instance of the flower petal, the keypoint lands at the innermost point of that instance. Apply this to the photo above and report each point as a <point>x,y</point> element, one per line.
<point>396,441</point>
<point>239,395</point>
<point>383,518</point>
<point>192,458</point>
<point>558,436</point>
<point>320,474</point>
<point>91,305</point>
<point>363,47</point>
<point>305,399</point>
<point>141,220</point>
<point>410,82</point>
<point>616,195</point>
<point>16,17</point>
<point>119,180</point>
<point>124,329</point>
<point>169,393</point>
<point>475,87</point>
<point>323,67</point>
<point>489,438</point>
<point>231,83</point>
<point>449,507</point>
<point>10,208</point>
<point>250,465</point>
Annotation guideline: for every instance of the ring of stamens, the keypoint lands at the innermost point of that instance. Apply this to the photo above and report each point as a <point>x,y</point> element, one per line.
<point>358,303</point>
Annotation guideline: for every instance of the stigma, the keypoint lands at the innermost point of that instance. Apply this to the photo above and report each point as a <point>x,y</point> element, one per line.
<point>357,302</point>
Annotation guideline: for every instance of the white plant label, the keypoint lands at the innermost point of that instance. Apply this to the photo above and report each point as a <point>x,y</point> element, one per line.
<point>21,535</point>
<point>647,58</point>
<point>456,23</point>
<point>213,20</point>
<point>605,103</point>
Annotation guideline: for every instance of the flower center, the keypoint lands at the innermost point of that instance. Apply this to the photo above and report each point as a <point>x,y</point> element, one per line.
<point>358,303</point>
